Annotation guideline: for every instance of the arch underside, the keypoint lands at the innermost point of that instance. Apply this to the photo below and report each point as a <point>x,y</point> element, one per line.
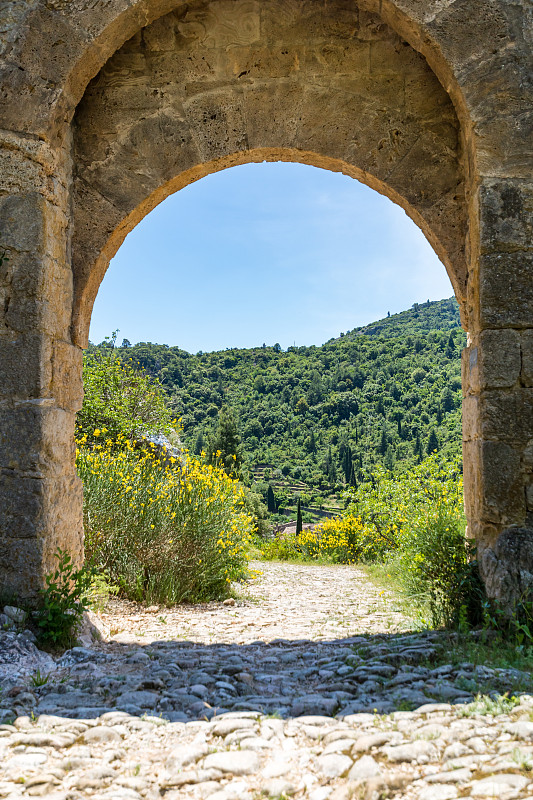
<point>216,84</point>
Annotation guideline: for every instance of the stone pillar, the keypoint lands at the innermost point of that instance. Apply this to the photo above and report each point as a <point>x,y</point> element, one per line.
<point>40,371</point>
<point>498,393</point>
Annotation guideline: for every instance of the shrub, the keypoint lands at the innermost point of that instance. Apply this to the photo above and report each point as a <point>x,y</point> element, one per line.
<point>163,533</point>
<point>437,566</point>
<point>63,601</point>
<point>419,524</point>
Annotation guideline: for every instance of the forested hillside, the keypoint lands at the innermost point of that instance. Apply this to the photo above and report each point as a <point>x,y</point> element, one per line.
<point>318,418</point>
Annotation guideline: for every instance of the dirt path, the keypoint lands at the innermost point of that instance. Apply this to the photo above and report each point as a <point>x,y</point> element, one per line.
<point>284,601</point>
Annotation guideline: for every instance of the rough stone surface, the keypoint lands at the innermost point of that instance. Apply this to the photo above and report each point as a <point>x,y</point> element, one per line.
<point>63,735</point>
<point>507,568</point>
<point>109,107</point>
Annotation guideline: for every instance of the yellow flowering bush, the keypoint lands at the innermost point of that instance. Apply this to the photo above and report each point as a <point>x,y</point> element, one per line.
<point>337,541</point>
<point>163,532</point>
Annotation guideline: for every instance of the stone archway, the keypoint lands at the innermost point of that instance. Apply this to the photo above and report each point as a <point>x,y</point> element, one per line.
<point>428,107</point>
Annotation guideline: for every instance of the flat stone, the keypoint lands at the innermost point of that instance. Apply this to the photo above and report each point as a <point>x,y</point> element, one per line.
<point>366,742</point>
<point>498,785</point>
<point>237,762</point>
<point>438,792</point>
<point>521,729</point>
<point>100,734</point>
<point>142,699</point>
<point>450,776</point>
<point>25,761</point>
<point>334,765</point>
<point>419,751</point>
<point>186,754</point>
<point>314,704</point>
<point>365,767</point>
<point>227,726</point>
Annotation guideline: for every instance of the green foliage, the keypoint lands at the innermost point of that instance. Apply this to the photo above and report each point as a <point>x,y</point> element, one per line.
<point>119,399</point>
<point>516,627</point>
<point>303,407</point>
<point>39,678</point>
<point>419,526</point>
<point>63,601</point>
<point>100,591</point>
<point>490,706</point>
<point>271,500</point>
<point>413,523</point>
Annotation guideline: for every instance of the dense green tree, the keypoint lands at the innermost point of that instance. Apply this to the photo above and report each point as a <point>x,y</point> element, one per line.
<point>225,446</point>
<point>119,400</point>
<point>199,443</point>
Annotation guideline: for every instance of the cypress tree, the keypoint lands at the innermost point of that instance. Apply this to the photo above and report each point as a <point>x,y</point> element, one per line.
<point>298,519</point>
<point>433,442</point>
<point>347,462</point>
<point>271,500</point>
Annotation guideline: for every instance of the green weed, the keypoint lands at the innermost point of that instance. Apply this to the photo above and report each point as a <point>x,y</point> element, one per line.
<point>63,601</point>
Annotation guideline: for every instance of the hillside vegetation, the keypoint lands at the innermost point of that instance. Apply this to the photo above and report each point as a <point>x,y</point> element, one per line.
<point>313,420</point>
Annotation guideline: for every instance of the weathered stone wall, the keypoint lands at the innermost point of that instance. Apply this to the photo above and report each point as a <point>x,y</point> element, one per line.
<point>105,108</point>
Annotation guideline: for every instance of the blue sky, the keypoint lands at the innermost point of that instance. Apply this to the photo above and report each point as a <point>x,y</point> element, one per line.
<point>268,253</point>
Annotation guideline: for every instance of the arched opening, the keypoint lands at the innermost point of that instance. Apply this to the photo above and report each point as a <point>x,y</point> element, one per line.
<point>388,96</point>
<point>265,253</point>
<point>292,430</point>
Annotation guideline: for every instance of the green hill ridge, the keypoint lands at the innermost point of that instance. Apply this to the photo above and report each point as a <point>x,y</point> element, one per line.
<point>315,419</point>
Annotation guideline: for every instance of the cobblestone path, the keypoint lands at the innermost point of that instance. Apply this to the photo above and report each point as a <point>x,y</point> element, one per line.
<point>309,686</point>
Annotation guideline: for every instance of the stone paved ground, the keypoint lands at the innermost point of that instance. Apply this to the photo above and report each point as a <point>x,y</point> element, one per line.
<point>310,686</point>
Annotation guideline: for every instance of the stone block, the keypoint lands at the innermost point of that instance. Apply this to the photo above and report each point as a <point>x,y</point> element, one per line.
<point>500,360</point>
<point>37,439</point>
<point>25,563</point>
<point>470,370</point>
<point>33,508</point>
<point>507,416</point>
<point>501,485</point>
<point>25,366</point>
<point>67,381</point>
<point>471,421</point>
<point>529,496</point>
<point>507,568</point>
<point>40,296</point>
<point>472,481</point>
<point>528,456</point>
<point>494,487</point>
<point>22,222</point>
<point>506,215</point>
<point>527,357</point>
<point>506,290</point>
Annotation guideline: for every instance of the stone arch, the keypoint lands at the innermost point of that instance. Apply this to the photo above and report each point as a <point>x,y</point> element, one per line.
<point>444,88</point>
<point>218,83</point>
